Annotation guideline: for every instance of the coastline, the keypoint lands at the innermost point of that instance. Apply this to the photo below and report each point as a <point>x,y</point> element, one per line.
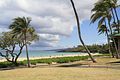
<point>32,58</point>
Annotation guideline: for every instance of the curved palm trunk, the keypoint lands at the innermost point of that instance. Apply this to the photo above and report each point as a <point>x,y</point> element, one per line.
<point>79,32</point>
<point>28,61</point>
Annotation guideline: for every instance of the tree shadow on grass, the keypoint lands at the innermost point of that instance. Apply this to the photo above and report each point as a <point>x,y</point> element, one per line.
<point>12,68</point>
<point>117,62</point>
<point>70,65</point>
<point>8,68</point>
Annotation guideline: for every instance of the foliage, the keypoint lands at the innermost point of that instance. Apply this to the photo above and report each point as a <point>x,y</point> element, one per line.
<point>93,48</point>
<point>48,61</point>
<point>9,64</point>
<point>21,28</point>
<point>20,35</point>
<point>8,45</point>
<point>58,60</point>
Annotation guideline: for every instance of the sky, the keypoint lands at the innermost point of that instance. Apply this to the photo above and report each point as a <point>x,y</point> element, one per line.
<point>53,20</point>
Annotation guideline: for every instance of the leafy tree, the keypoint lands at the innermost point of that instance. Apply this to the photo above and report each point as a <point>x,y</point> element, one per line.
<point>22,29</point>
<point>8,45</point>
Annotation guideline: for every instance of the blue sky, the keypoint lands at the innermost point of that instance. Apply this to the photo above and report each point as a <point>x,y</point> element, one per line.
<point>89,35</point>
<point>53,20</point>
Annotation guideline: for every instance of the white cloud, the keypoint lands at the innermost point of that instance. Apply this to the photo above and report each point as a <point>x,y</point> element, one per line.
<point>51,18</point>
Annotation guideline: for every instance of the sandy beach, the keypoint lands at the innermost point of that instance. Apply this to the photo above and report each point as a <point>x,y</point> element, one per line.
<point>32,58</point>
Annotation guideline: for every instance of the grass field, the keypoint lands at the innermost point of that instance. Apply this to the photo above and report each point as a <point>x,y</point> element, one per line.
<point>60,74</point>
<point>51,72</point>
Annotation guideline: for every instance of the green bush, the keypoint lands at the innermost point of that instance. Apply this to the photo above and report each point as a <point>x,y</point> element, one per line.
<point>6,64</point>
<point>33,62</point>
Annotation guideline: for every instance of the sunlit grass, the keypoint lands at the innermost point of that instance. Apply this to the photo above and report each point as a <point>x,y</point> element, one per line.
<point>60,74</point>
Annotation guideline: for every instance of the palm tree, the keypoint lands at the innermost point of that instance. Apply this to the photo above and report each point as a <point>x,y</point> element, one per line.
<point>22,28</point>
<point>103,14</point>
<point>79,32</point>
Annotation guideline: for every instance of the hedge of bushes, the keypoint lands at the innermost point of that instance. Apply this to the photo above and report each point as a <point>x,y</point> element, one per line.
<point>59,60</point>
<point>48,61</point>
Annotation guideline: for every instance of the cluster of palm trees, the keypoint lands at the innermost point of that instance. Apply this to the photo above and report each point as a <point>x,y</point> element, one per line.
<point>106,14</point>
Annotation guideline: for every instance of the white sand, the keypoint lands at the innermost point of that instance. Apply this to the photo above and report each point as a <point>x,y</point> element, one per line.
<point>32,58</point>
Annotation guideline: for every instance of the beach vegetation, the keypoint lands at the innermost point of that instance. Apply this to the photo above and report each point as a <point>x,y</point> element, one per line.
<point>95,48</point>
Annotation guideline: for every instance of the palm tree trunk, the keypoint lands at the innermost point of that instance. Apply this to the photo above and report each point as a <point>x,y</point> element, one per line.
<point>79,32</point>
<point>113,15</point>
<point>114,20</point>
<point>27,55</point>
<point>118,28</point>
<point>110,51</point>
<point>117,55</point>
<point>113,39</point>
<point>28,61</point>
<point>117,19</point>
<point>108,39</point>
<point>119,48</point>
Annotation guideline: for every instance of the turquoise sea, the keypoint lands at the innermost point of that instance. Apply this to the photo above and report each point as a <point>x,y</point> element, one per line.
<point>48,53</point>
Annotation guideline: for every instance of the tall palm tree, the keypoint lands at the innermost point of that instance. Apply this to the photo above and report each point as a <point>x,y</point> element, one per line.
<point>79,32</point>
<point>22,28</point>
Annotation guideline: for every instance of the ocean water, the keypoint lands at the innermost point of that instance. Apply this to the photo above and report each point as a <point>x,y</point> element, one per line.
<point>48,53</point>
